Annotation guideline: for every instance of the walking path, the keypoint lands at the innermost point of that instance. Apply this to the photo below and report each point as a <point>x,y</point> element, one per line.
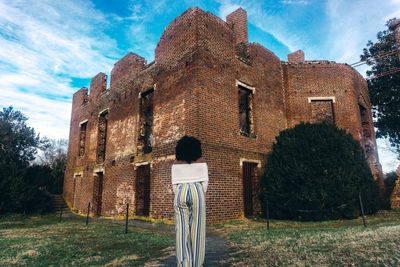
<point>217,249</point>
<point>217,252</point>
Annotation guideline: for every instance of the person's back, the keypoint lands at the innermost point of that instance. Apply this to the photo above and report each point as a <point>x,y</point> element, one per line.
<point>189,176</point>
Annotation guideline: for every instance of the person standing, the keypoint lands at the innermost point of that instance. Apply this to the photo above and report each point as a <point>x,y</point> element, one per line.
<point>189,175</point>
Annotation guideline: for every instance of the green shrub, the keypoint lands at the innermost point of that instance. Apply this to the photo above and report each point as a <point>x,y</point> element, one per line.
<point>315,172</point>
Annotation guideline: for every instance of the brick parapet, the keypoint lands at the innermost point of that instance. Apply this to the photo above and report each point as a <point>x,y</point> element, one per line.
<point>130,64</point>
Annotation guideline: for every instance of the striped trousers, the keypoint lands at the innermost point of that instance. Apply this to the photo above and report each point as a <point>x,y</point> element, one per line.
<point>190,224</point>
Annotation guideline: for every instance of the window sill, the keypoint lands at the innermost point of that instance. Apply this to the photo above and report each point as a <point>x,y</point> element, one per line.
<point>248,135</point>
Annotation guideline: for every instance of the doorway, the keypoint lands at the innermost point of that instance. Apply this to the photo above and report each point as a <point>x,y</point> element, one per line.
<point>143,190</point>
<point>98,193</point>
<point>77,178</point>
<point>249,173</point>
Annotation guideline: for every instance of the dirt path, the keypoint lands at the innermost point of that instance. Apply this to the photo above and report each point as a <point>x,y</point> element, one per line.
<point>218,251</point>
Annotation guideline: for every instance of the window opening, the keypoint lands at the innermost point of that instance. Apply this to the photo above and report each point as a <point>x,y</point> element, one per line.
<point>145,138</point>
<point>102,137</point>
<point>246,111</point>
<point>322,111</point>
<point>82,139</point>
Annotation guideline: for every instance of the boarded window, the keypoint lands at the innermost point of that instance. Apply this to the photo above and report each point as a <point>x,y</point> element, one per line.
<point>145,138</point>
<point>245,111</point>
<point>102,137</point>
<point>82,139</point>
<point>322,111</point>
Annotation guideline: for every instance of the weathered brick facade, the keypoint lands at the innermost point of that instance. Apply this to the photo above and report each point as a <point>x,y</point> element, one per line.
<point>201,64</point>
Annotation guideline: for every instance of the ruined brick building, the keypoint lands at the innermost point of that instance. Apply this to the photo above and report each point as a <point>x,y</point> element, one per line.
<point>206,81</point>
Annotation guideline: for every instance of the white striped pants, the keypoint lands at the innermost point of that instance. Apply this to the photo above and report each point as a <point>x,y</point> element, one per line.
<point>190,224</point>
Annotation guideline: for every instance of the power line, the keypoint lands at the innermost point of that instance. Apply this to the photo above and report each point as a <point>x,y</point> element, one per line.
<point>385,73</point>
<point>375,58</point>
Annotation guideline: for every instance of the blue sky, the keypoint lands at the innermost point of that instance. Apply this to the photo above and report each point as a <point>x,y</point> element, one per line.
<point>49,49</point>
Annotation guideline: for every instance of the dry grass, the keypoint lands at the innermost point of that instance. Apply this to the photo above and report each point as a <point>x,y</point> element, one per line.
<point>330,243</point>
<point>43,241</point>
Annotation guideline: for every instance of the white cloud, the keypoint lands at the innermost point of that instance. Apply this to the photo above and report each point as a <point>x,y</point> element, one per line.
<point>353,23</point>
<point>143,41</point>
<point>226,8</point>
<point>387,157</point>
<point>264,19</point>
<point>50,117</point>
<point>44,45</point>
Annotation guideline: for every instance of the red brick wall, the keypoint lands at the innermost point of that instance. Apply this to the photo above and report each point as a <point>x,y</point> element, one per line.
<point>195,74</point>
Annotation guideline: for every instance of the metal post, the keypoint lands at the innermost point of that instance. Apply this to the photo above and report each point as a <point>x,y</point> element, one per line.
<point>87,215</point>
<point>61,211</point>
<point>362,209</point>
<point>126,218</point>
<point>267,211</point>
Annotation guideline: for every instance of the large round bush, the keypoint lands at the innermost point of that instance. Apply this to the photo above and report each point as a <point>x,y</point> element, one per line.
<point>316,172</point>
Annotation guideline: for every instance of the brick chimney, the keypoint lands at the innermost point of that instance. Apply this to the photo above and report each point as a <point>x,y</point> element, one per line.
<point>296,57</point>
<point>237,20</point>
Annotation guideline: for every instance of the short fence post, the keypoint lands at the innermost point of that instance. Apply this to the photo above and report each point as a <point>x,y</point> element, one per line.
<point>87,215</point>
<point>61,211</point>
<point>362,209</point>
<point>267,213</point>
<point>126,218</point>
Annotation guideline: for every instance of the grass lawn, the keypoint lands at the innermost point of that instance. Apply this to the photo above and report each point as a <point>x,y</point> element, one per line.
<point>330,243</point>
<point>43,241</point>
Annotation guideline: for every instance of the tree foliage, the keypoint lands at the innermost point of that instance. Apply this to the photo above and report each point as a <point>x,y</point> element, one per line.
<point>18,146</point>
<point>384,88</point>
<point>54,157</point>
<point>315,172</point>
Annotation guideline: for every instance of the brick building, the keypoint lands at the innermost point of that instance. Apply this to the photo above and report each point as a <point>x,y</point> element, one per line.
<point>207,81</point>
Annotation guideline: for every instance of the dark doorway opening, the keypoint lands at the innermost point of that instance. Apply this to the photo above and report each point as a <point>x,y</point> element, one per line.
<point>76,178</point>
<point>98,193</point>
<point>143,190</point>
<point>249,173</point>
